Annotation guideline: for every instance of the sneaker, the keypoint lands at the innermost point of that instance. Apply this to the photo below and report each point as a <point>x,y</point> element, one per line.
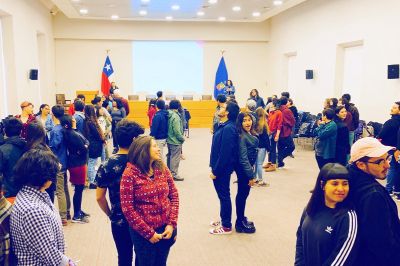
<point>64,222</point>
<point>85,214</point>
<point>215,223</point>
<point>271,168</point>
<point>92,186</point>
<point>281,164</point>
<point>81,220</point>
<point>262,183</point>
<point>221,231</point>
<point>68,216</point>
<point>178,178</point>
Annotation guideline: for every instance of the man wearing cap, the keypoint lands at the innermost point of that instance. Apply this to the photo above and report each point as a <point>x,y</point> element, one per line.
<point>379,224</point>
<point>26,117</point>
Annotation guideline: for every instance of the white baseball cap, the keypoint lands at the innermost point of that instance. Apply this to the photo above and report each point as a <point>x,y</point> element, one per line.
<point>368,146</point>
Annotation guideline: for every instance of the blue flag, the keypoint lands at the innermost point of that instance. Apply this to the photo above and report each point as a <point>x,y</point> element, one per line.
<point>220,78</point>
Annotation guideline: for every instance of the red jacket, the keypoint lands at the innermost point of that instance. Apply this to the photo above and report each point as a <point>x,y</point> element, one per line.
<point>151,113</point>
<point>288,122</point>
<point>275,121</point>
<point>148,203</point>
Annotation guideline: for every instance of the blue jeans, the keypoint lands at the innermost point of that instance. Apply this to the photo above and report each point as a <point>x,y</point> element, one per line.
<point>260,160</point>
<point>92,164</point>
<point>393,177</point>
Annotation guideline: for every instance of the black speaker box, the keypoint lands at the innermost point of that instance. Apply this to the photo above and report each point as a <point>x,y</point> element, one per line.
<point>309,74</point>
<point>33,74</point>
<point>393,71</point>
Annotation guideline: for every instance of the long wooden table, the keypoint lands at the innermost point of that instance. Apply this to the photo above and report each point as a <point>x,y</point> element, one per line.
<point>201,112</point>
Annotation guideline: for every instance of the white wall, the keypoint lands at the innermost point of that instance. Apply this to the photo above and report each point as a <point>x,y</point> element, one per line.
<point>315,29</point>
<point>22,22</point>
<point>81,49</point>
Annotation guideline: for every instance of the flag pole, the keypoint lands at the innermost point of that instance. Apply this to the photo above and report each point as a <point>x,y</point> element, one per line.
<point>222,52</point>
<point>108,50</point>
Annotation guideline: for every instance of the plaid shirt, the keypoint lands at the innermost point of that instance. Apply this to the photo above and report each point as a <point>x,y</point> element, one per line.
<point>36,229</point>
<point>5,211</point>
<point>148,203</point>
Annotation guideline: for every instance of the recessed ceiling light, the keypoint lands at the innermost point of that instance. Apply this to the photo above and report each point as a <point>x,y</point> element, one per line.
<point>222,18</point>
<point>200,13</point>
<point>83,11</point>
<point>236,8</point>
<point>145,1</point>
<point>169,18</point>
<point>114,17</point>
<point>212,1</point>
<point>143,12</point>
<point>256,14</point>
<point>278,2</point>
<point>175,7</point>
<point>111,5</point>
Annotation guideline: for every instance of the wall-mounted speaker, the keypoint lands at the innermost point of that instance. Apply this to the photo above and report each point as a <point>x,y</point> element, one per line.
<point>33,74</point>
<point>393,71</point>
<point>309,74</point>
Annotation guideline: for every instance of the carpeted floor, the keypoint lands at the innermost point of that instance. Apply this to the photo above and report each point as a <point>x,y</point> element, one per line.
<point>275,211</point>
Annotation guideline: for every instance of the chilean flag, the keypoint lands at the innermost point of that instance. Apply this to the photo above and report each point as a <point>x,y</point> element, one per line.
<point>105,77</point>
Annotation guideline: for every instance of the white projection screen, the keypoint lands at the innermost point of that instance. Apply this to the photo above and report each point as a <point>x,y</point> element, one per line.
<point>175,67</point>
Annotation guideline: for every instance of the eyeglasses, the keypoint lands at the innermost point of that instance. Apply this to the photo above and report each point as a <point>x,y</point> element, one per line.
<point>381,161</point>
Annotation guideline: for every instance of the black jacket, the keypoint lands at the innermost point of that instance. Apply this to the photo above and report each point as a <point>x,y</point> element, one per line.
<point>378,219</point>
<point>95,139</point>
<point>77,148</point>
<point>327,238</point>
<point>224,149</point>
<point>294,111</point>
<point>342,142</point>
<point>389,131</point>
<point>10,152</point>
<point>159,126</point>
<point>248,148</point>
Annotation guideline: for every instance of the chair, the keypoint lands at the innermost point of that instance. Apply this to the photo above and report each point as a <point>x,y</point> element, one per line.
<point>60,99</point>
<point>133,97</point>
<point>149,97</point>
<point>206,97</point>
<point>187,97</point>
<point>170,97</point>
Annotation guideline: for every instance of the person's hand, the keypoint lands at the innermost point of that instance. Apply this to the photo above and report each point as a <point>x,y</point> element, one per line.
<point>252,182</point>
<point>276,138</point>
<point>212,176</point>
<point>169,229</point>
<point>155,238</point>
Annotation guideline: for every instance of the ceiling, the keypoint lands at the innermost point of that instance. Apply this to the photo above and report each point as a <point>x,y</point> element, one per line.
<point>161,10</point>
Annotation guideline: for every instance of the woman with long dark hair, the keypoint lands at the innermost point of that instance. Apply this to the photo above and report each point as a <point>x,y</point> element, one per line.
<point>77,147</point>
<point>150,202</point>
<point>245,171</point>
<point>36,139</point>
<point>44,117</point>
<point>229,88</point>
<point>95,136</point>
<point>254,95</point>
<point>342,138</point>
<point>328,226</point>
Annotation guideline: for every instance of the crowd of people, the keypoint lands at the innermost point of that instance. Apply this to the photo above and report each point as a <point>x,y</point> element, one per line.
<point>350,219</point>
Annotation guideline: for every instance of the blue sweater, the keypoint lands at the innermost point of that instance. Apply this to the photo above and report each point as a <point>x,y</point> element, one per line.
<point>159,126</point>
<point>58,146</point>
